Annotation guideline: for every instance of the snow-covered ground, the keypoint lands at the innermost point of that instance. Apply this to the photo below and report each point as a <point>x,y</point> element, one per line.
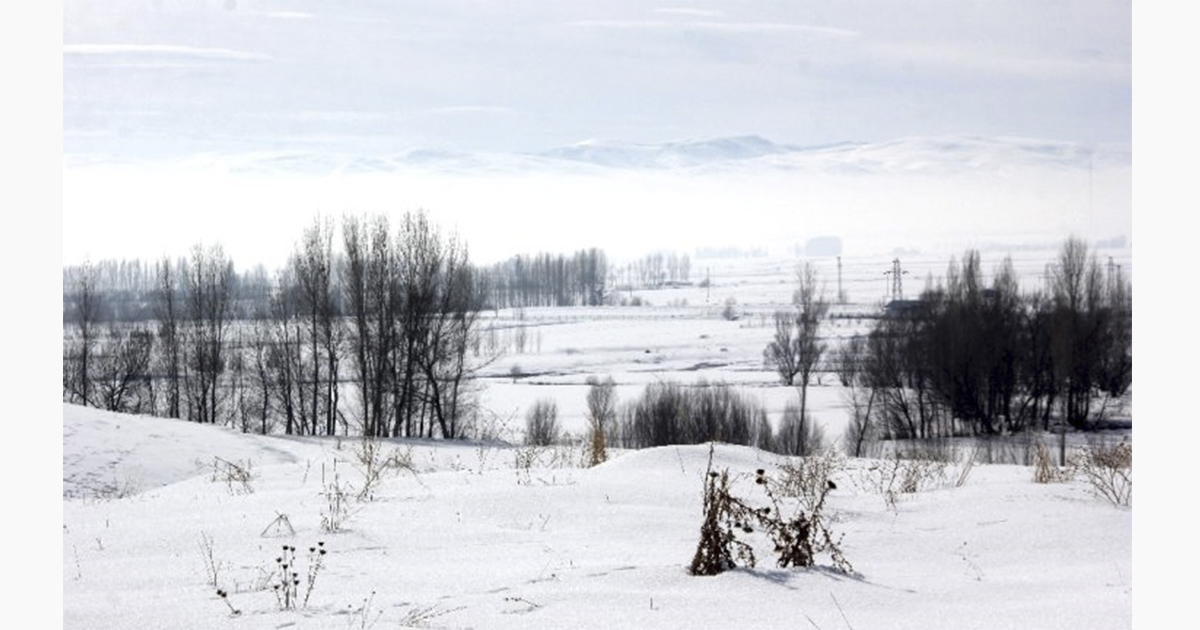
<point>681,334</point>
<point>487,535</point>
<point>471,536</point>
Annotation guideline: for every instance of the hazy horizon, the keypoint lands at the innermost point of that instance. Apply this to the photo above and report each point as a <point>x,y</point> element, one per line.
<point>897,124</point>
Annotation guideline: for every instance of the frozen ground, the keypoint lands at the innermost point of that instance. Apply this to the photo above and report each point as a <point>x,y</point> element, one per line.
<point>680,333</point>
<point>470,537</point>
<point>487,535</point>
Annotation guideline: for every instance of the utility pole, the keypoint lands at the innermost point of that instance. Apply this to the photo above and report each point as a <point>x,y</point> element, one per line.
<point>841,294</point>
<point>1111,276</point>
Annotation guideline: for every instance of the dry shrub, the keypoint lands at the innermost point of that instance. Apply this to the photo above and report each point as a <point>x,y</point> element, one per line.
<point>719,545</point>
<point>567,454</point>
<point>797,538</point>
<point>898,476</point>
<point>808,478</point>
<point>965,466</point>
<point>337,509</point>
<point>236,475</point>
<point>1109,470</point>
<point>1044,470</point>
<point>373,463</point>
<point>601,415</point>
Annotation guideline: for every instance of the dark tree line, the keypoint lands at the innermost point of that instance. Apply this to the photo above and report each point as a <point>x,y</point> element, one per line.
<point>658,269</point>
<point>391,319</point>
<point>670,413</point>
<point>549,280</point>
<point>127,286</point>
<point>652,271</point>
<point>988,359</point>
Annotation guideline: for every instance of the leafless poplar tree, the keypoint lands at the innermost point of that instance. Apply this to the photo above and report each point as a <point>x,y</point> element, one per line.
<point>796,350</point>
<point>852,368</point>
<point>122,370</point>
<point>79,356</point>
<point>601,416</point>
<point>314,272</point>
<point>782,353</point>
<point>209,286</point>
<point>372,304</point>
<point>284,356</point>
<point>1080,319</point>
<point>167,312</point>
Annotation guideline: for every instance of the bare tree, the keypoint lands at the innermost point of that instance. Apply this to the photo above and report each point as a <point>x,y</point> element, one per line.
<point>1116,371</point>
<point>447,362</point>
<point>167,311</point>
<point>782,353</point>
<point>419,263</point>
<point>812,306</point>
<point>209,288</point>
<point>77,364</point>
<point>284,356</point>
<point>122,369</point>
<point>260,380</point>
<point>796,350</point>
<point>1077,291</point>
<point>314,272</point>
<point>601,415</point>
<point>798,434</point>
<point>369,284</point>
<point>859,396</point>
<point>896,371</point>
<point>541,423</point>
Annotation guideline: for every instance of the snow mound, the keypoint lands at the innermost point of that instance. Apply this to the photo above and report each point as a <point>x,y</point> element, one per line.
<point>692,460</point>
<point>106,453</point>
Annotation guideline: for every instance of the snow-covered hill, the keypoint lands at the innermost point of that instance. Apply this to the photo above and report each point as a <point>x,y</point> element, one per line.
<point>932,155</point>
<point>484,535</point>
<point>668,155</point>
<point>947,155</point>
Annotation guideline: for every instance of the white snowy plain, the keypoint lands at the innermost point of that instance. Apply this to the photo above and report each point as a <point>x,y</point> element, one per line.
<point>493,535</point>
<point>469,538</point>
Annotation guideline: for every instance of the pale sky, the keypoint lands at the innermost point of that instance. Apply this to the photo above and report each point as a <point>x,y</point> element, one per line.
<point>160,96</point>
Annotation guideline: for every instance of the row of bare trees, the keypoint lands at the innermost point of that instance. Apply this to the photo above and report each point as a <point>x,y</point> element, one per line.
<point>549,280</point>
<point>390,319</point>
<point>984,360</point>
<point>124,366</point>
<point>413,302</point>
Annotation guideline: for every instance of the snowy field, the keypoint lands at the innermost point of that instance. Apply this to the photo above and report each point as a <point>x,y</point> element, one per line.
<point>487,536</point>
<point>681,334</point>
<point>156,518</point>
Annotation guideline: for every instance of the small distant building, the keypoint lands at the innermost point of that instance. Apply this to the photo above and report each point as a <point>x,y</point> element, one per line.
<point>823,247</point>
<point>906,309</point>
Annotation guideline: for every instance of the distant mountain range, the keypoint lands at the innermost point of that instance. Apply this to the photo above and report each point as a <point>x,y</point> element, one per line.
<point>932,155</point>
<point>905,154</point>
<point>685,153</point>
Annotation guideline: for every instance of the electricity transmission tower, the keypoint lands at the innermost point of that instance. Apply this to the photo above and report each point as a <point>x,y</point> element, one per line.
<point>897,275</point>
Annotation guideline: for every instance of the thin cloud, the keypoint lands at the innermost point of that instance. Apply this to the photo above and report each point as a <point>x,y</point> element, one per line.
<point>763,27</point>
<point>470,109</point>
<point>290,15</point>
<point>982,61</point>
<point>159,49</point>
<point>690,12</point>
<point>339,116</point>
<point>729,27</point>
